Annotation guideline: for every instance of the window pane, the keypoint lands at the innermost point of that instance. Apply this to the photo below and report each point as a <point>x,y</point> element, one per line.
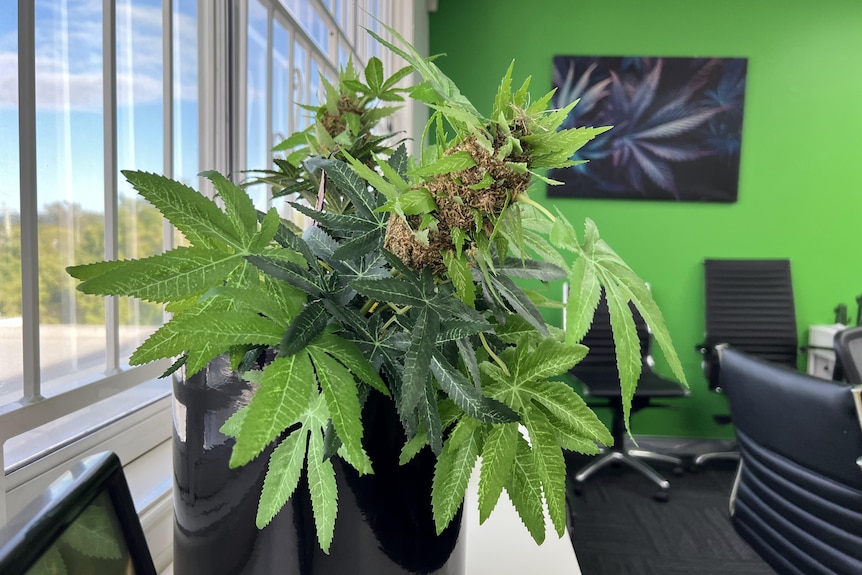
<point>70,184</point>
<point>280,82</point>
<point>310,21</point>
<point>256,126</point>
<point>185,91</point>
<point>11,349</point>
<point>300,119</point>
<point>140,146</point>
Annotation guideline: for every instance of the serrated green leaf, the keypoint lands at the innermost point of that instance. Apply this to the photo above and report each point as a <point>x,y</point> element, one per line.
<point>295,139</point>
<point>451,476</point>
<point>392,175</point>
<point>342,399</point>
<point>204,336</point>
<point>498,455</point>
<point>282,476</point>
<point>417,361</point>
<point>347,353</point>
<point>412,202</point>
<point>308,324</point>
<point>238,205</point>
<point>583,299</point>
<point>412,448</point>
<point>389,290</point>
<point>531,269</point>
<point>286,391</point>
<point>503,99</point>
<point>571,411</point>
<point>198,218</point>
<point>397,77</point>
<point>519,301</point>
<point>288,272</point>
<point>372,177</point>
<point>267,232</point>
<point>626,344</point>
<point>445,165</point>
<point>177,274</point>
<point>461,277</point>
<point>466,396</point>
<point>248,299</point>
<point>549,462</point>
<point>337,222</point>
<point>525,491</point>
<point>429,416</point>
<point>360,245</point>
<point>374,74</point>
<point>323,490</point>
<point>486,182</point>
<point>352,186</point>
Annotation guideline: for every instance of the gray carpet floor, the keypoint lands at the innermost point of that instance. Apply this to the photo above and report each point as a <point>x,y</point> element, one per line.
<point>617,527</point>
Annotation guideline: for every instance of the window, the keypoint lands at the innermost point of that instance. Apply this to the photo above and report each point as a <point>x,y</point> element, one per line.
<point>96,87</point>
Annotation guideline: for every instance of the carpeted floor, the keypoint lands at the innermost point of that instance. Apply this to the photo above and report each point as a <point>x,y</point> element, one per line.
<point>617,528</point>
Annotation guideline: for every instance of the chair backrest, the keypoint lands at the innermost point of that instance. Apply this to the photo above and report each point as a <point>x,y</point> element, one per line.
<point>798,498</point>
<point>750,305</point>
<point>848,355</point>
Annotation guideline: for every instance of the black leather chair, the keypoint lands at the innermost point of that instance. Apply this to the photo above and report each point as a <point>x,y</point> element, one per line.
<point>848,355</point>
<point>749,304</point>
<point>797,499</point>
<point>599,378</point>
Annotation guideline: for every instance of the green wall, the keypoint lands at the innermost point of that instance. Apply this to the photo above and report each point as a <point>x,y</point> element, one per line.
<point>799,194</point>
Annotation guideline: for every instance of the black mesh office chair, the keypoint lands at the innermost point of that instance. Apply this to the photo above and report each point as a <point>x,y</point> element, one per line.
<point>848,355</point>
<point>599,377</point>
<point>797,499</point>
<point>749,305</point>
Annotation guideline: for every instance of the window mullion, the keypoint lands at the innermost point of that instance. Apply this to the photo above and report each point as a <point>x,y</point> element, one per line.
<point>109,111</point>
<point>270,45</point>
<point>32,387</point>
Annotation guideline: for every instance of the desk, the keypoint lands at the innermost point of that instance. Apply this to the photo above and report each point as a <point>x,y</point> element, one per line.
<point>821,354</point>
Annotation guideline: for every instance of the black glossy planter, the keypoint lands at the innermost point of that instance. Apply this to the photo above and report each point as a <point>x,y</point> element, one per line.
<point>384,524</point>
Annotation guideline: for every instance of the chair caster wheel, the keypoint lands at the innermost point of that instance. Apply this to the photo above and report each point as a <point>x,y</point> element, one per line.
<point>661,496</point>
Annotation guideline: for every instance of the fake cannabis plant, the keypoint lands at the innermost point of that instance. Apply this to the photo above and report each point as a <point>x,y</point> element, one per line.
<point>408,285</point>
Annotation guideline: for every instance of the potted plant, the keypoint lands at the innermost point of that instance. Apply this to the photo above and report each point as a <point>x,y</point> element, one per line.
<point>407,294</point>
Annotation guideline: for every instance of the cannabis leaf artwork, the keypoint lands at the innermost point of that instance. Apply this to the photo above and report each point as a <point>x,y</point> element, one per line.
<point>677,127</point>
<point>410,286</point>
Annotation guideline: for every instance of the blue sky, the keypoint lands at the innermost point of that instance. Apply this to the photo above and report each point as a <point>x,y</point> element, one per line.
<point>69,96</point>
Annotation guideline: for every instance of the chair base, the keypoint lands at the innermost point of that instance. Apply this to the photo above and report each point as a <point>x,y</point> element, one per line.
<point>704,457</point>
<point>633,458</point>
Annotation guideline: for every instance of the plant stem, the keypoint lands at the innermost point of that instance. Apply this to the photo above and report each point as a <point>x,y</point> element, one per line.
<point>367,306</point>
<point>493,355</point>
<point>525,199</point>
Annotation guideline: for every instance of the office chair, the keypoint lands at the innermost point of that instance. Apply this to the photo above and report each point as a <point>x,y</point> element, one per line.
<point>749,305</point>
<point>599,377</point>
<point>797,496</point>
<point>848,355</point>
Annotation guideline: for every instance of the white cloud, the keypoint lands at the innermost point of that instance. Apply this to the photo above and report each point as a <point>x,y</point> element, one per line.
<point>69,57</point>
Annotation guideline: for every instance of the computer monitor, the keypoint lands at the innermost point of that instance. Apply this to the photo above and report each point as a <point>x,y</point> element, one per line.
<point>84,523</point>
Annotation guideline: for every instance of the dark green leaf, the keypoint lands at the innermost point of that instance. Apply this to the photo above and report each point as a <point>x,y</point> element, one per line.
<point>466,396</point>
<point>309,324</point>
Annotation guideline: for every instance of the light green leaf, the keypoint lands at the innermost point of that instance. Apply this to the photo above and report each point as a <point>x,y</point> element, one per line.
<point>413,447</point>
<point>93,534</point>
<point>447,164</point>
<point>323,490</point>
<point>238,205</point>
<point>342,399</point>
<point>206,335</point>
<point>177,274</point>
<point>286,390</point>
<point>412,202</point>
<point>389,290</point>
<point>452,474</point>
<point>266,234</point>
<point>498,455</point>
<point>461,277</point>
<point>503,99</point>
<point>198,218</point>
<point>282,476</point>
<point>627,344</point>
<point>519,301</point>
<point>549,462</point>
<point>374,74</point>
<point>347,353</point>
<point>525,491</point>
<point>572,412</point>
<point>584,295</point>
<point>379,182</point>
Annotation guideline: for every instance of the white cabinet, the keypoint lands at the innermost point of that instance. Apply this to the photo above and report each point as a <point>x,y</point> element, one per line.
<point>821,354</point>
